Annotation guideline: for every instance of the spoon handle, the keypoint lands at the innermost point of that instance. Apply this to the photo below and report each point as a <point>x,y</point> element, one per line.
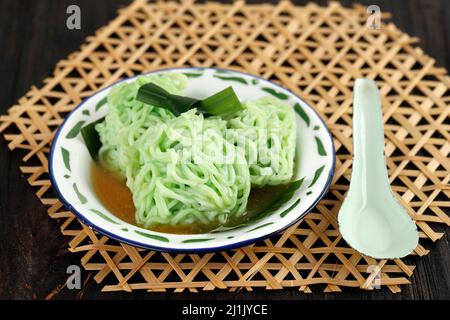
<point>369,165</point>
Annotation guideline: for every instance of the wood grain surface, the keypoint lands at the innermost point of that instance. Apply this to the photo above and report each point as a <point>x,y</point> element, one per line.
<point>33,254</point>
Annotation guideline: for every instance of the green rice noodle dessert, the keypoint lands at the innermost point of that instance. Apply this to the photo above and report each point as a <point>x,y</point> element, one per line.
<point>188,174</point>
<point>192,169</point>
<point>265,129</point>
<point>125,112</point>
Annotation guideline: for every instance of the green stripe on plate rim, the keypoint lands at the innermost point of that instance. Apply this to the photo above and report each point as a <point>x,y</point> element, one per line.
<point>66,158</point>
<point>104,216</point>
<point>80,196</point>
<point>193,75</point>
<point>223,71</point>
<point>197,240</point>
<point>152,236</point>
<point>320,148</point>
<point>277,94</point>
<point>317,174</point>
<point>231,78</point>
<point>75,130</point>
<point>101,103</point>
<point>285,212</point>
<point>261,226</point>
<point>298,108</point>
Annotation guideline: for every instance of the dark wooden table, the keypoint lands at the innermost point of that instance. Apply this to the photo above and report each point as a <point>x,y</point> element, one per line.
<point>33,254</point>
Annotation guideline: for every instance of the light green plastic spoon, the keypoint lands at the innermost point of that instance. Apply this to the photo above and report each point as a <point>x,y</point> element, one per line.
<point>371,220</point>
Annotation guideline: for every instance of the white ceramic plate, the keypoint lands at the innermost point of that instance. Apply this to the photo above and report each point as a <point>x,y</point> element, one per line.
<point>70,168</point>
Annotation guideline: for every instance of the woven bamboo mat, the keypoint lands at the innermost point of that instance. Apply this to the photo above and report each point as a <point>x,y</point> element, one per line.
<point>316,52</point>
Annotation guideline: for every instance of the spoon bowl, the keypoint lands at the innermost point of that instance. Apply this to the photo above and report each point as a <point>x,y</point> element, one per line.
<point>371,220</point>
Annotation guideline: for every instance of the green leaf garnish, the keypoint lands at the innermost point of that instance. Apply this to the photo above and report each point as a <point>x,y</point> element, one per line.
<point>92,139</point>
<point>224,102</point>
<point>154,95</point>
